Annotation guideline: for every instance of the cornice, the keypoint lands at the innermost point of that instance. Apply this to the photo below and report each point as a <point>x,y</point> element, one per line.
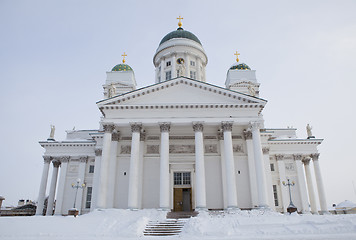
<point>294,141</point>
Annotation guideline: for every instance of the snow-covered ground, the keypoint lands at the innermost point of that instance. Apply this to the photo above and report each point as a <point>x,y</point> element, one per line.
<point>126,224</point>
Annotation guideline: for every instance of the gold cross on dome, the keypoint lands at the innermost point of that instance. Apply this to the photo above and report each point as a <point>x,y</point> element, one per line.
<point>124,55</point>
<point>237,56</point>
<point>179,23</point>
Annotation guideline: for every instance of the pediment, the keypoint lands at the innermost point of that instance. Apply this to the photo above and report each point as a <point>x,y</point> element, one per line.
<point>182,91</point>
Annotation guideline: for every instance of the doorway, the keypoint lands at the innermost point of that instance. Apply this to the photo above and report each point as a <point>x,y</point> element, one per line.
<point>182,200</point>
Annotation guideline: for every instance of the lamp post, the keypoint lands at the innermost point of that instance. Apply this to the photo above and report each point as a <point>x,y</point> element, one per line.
<point>76,186</point>
<point>291,208</point>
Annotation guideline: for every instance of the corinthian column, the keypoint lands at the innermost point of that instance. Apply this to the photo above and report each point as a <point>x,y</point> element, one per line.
<point>261,182</point>
<point>200,195</point>
<point>311,192</point>
<point>52,190</point>
<point>282,178</point>
<point>104,168</point>
<point>112,170</point>
<point>319,183</point>
<point>81,175</point>
<point>43,185</point>
<point>164,166</point>
<point>96,179</point>
<point>229,166</point>
<point>134,166</point>
<point>301,182</point>
<point>61,184</point>
<point>251,168</point>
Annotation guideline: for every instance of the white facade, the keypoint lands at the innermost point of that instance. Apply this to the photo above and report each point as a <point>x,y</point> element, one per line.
<point>182,144</point>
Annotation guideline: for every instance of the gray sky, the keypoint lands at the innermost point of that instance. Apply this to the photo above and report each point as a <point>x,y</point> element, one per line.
<point>54,55</point>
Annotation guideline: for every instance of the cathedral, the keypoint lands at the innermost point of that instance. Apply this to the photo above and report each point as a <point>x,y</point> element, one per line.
<point>181,144</point>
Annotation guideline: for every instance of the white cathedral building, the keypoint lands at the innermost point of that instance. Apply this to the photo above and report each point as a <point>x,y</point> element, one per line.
<point>181,144</point>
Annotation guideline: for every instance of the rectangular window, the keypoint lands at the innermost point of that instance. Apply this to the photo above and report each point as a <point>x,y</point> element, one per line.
<point>168,63</point>
<point>192,63</point>
<point>168,75</point>
<point>88,201</point>
<point>272,167</point>
<point>275,195</point>
<point>192,74</point>
<point>91,169</point>
<point>181,178</point>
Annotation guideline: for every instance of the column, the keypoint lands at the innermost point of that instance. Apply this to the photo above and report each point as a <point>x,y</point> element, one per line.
<point>311,192</point>
<point>223,167</point>
<point>112,170</point>
<point>174,64</point>
<point>164,167</point>
<point>52,189</point>
<point>197,66</point>
<point>319,183</point>
<point>96,179</point>
<point>104,168</point>
<point>61,184</point>
<point>140,167</point>
<point>302,186</point>
<point>163,75</point>
<point>229,166</point>
<point>251,168</point>
<point>268,175</point>
<point>43,185</point>
<point>200,193</point>
<point>187,65</point>
<point>81,175</point>
<point>134,166</point>
<point>260,177</point>
<point>282,177</point>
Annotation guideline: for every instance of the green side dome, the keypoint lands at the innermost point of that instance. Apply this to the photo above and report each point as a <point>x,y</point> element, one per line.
<point>180,33</point>
<point>240,66</point>
<point>121,67</point>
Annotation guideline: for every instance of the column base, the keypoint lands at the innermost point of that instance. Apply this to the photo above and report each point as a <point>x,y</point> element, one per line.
<point>324,213</point>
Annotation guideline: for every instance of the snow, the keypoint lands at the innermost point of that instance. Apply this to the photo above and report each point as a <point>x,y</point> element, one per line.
<point>125,224</point>
<point>346,205</point>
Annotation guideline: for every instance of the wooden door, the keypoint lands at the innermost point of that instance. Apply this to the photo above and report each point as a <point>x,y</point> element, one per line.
<point>178,199</point>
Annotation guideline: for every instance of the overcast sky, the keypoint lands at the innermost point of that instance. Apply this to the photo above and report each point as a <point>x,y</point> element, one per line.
<point>54,56</point>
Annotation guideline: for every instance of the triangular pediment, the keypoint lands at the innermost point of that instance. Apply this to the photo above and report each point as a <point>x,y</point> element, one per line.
<point>182,91</point>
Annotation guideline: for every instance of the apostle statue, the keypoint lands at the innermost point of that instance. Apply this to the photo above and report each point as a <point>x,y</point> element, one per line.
<point>111,90</point>
<point>51,135</point>
<point>309,131</point>
<point>251,90</point>
<point>181,70</point>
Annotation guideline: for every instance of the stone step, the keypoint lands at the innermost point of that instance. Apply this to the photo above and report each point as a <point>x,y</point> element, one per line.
<point>165,228</point>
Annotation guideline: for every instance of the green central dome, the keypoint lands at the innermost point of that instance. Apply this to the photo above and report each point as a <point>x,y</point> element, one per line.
<point>241,66</point>
<point>180,33</point>
<point>121,67</point>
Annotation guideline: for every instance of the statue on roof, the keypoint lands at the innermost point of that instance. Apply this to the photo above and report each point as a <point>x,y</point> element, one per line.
<point>111,90</point>
<point>51,135</point>
<point>309,131</point>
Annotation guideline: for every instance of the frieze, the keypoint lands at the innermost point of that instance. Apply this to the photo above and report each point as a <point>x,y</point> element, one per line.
<point>211,148</point>
<point>108,127</point>
<point>198,127</point>
<point>152,137</point>
<point>181,149</point>
<point>236,137</point>
<point>181,137</point>
<point>209,137</point>
<point>152,149</point>
<point>226,126</point>
<point>125,149</point>
<point>98,152</point>
<point>165,127</point>
<point>126,138</point>
<point>237,148</point>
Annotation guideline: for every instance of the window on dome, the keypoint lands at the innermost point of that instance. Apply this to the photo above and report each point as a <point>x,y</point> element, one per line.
<point>168,75</point>
<point>192,63</point>
<point>168,63</point>
<point>193,75</point>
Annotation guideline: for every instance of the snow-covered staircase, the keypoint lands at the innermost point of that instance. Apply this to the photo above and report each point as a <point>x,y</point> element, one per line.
<point>169,227</point>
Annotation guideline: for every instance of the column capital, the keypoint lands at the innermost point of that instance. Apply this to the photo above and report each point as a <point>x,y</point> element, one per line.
<point>315,156</point>
<point>136,127</point>
<point>198,126</point>
<point>98,152</point>
<point>63,159</point>
<point>47,159</point>
<point>226,126</point>
<point>306,160</point>
<point>248,134</point>
<point>265,150</point>
<point>56,164</point>
<point>83,159</point>
<point>165,126</point>
<point>279,157</point>
<point>255,125</point>
<point>115,136</point>
<point>108,127</point>
<point>297,157</point>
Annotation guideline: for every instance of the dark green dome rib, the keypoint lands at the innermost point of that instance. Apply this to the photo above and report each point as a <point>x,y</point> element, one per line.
<point>240,66</point>
<point>121,67</point>
<point>180,33</point>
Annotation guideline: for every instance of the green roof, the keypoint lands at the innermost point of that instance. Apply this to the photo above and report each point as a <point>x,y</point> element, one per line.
<point>180,33</point>
<point>240,66</point>
<point>121,67</point>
